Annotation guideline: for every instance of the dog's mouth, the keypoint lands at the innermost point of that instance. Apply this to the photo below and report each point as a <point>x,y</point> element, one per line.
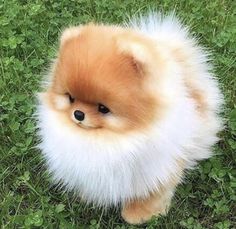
<point>88,127</point>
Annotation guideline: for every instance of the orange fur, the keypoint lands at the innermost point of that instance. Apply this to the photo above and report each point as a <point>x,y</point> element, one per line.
<point>92,62</point>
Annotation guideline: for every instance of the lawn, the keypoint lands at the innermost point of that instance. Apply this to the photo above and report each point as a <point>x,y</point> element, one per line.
<point>29,32</point>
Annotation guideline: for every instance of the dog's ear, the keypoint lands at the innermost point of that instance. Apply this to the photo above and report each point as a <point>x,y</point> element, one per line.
<point>137,52</point>
<point>69,33</point>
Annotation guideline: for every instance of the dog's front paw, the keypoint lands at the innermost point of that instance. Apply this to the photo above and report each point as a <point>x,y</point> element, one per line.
<point>140,211</point>
<point>136,214</point>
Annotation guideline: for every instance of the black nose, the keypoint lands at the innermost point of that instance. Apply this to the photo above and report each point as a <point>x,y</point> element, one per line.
<point>79,115</point>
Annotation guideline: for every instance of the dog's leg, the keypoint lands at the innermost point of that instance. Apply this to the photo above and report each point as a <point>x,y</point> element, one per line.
<point>140,211</point>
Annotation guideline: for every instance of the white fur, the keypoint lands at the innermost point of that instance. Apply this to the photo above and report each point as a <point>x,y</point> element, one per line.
<point>70,33</point>
<point>115,168</point>
<point>61,102</point>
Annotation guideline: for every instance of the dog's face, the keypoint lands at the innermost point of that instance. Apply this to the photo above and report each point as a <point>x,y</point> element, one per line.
<point>102,80</point>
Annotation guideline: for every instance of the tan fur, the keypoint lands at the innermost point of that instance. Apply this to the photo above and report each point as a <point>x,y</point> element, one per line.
<point>94,59</point>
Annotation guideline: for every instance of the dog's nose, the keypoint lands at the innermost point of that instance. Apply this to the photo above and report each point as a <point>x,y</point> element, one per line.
<point>79,115</point>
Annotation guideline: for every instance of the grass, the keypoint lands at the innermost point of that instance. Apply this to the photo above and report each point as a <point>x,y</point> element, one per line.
<point>28,31</point>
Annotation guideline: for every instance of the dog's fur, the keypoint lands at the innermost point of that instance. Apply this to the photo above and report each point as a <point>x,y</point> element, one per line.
<point>163,118</point>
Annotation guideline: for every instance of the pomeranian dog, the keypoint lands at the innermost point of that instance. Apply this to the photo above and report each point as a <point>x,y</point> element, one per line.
<point>127,109</point>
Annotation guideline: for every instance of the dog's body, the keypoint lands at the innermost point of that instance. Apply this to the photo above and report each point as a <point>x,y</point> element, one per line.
<point>160,114</point>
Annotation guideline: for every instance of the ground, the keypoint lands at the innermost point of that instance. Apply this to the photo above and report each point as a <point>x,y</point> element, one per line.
<point>29,32</point>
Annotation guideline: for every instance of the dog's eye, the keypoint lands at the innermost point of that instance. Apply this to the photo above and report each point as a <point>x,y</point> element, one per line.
<point>103,109</point>
<point>70,97</point>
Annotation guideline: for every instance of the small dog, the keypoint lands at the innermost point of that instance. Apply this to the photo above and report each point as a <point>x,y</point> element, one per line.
<point>126,111</point>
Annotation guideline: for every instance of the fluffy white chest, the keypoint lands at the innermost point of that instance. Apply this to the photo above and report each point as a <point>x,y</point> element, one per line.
<point>112,170</point>
<point>104,172</point>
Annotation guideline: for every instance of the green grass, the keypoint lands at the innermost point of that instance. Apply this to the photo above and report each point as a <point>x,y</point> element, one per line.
<point>29,31</point>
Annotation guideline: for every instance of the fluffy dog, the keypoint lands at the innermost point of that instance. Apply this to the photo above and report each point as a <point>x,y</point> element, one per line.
<point>126,111</point>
